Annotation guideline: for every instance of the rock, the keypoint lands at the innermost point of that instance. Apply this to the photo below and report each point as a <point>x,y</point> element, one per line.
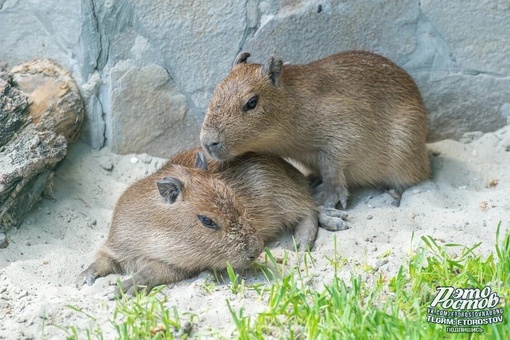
<point>353,25</point>
<point>4,241</point>
<point>189,49</point>
<point>49,28</point>
<point>147,68</point>
<point>456,98</point>
<point>185,329</point>
<point>137,91</point>
<point>204,40</point>
<point>505,112</point>
<point>468,137</point>
<point>145,158</point>
<point>477,33</point>
<point>381,263</point>
<point>105,162</point>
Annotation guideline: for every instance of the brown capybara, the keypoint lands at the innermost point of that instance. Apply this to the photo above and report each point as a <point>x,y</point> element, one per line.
<point>274,192</point>
<point>182,220</point>
<point>170,226</point>
<point>354,119</point>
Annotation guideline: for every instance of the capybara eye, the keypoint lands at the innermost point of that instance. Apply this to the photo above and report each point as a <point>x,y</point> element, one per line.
<point>251,103</point>
<point>207,222</point>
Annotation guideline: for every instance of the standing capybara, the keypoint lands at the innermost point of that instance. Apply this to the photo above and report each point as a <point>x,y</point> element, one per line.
<point>353,118</point>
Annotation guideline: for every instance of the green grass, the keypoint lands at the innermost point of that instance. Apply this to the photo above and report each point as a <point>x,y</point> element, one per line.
<point>366,306</point>
<point>395,308</point>
<point>140,317</point>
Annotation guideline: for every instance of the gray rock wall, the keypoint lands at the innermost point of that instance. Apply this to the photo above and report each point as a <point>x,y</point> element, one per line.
<point>146,68</point>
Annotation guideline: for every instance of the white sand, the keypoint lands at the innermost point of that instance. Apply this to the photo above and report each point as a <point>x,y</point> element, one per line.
<point>461,204</point>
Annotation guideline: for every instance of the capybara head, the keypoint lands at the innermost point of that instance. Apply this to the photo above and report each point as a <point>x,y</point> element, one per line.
<point>213,224</point>
<point>243,112</point>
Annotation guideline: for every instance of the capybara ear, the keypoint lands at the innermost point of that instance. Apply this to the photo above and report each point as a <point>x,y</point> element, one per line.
<point>241,58</point>
<point>201,161</point>
<point>170,188</point>
<point>273,69</point>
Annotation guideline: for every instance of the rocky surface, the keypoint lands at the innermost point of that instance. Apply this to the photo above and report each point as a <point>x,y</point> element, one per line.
<point>146,68</point>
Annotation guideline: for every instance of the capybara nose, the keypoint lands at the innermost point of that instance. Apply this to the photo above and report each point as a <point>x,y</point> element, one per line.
<point>212,148</point>
<point>256,248</point>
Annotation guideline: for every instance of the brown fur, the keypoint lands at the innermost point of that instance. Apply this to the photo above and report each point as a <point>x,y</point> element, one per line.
<point>276,195</point>
<point>252,200</point>
<point>354,118</point>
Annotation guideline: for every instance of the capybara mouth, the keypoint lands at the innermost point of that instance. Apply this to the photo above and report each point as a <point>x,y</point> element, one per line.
<point>217,151</point>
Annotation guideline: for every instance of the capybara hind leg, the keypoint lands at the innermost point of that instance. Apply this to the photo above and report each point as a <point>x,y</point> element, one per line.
<point>305,233</point>
<point>332,219</point>
<point>102,266</point>
<point>152,274</point>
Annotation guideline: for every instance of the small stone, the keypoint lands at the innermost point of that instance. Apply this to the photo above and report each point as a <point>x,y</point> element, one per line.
<point>369,217</point>
<point>159,329</point>
<point>381,263</point>
<point>468,137</point>
<point>133,160</point>
<point>105,162</point>
<point>4,241</point>
<point>145,158</point>
<point>492,183</point>
<point>187,327</point>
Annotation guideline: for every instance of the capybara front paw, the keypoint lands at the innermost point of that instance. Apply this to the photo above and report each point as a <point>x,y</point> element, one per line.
<point>87,276</point>
<point>332,219</point>
<point>330,198</point>
<point>333,198</point>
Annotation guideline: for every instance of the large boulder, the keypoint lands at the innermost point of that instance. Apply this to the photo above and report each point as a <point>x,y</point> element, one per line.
<point>456,50</point>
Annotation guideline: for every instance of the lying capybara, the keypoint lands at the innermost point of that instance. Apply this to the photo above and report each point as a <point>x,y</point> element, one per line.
<point>188,217</point>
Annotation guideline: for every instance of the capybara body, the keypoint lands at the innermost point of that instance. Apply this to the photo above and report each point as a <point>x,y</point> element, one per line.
<point>275,194</point>
<point>353,118</point>
<point>184,219</point>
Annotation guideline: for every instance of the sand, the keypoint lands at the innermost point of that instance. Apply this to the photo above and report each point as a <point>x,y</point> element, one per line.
<point>463,203</point>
